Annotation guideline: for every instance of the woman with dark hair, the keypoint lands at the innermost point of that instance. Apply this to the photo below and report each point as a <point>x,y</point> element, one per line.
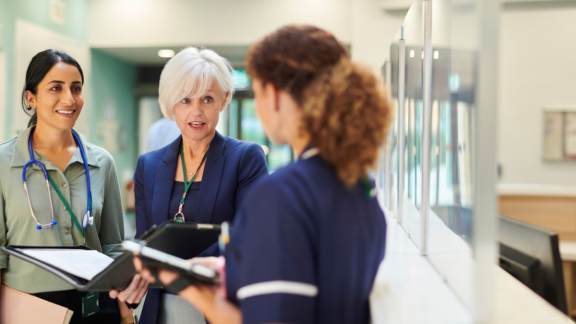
<point>308,240</point>
<point>82,205</point>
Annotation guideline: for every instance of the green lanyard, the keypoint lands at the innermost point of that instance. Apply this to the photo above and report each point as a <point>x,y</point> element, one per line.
<point>68,208</point>
<point>179,217</point>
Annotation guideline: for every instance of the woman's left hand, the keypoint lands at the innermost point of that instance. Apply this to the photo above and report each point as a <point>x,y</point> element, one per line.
<point>134,293</point>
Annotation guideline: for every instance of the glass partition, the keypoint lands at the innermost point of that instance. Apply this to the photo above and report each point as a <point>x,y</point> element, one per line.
<point>453,97</point>
<point>394,141</point>
<point>435,77</point>
<point>412,118</point>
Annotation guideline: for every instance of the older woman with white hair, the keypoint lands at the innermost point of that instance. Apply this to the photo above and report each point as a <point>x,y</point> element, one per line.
<point>202,176</point>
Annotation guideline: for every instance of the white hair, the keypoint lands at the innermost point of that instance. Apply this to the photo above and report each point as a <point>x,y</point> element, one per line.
<point>190,74</point>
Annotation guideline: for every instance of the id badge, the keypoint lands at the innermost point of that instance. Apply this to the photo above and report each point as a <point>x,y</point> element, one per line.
<point>90,304</point>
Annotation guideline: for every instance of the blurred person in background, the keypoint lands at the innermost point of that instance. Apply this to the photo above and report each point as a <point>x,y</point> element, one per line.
<point>162,133</point>
<point>202,176</point>
<point>308,240</point>
<point>83,181</point>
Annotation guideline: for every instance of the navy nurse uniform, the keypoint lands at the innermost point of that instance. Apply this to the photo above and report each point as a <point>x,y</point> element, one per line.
<point>232,168</point>
<point>305,248</point>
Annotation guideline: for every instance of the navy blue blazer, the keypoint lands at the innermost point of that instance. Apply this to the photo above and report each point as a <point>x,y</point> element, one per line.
<point>232,167</point>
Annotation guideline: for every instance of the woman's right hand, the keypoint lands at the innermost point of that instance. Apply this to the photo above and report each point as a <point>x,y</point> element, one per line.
<point>211,262</point>
<point>207,299</point>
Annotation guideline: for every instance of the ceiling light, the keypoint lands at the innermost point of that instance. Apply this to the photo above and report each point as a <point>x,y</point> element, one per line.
<point>436,55</point>
<point>167,53</point>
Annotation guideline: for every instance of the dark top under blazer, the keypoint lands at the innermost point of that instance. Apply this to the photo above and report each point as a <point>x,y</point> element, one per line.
<point>232,167</point>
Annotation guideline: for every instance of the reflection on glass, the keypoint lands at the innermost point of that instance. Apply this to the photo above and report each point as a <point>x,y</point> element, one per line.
<point>413,69</point>
<point>393,139</point>
<point>393,142</point>
<point>453,86</point>
<point>453,109</point>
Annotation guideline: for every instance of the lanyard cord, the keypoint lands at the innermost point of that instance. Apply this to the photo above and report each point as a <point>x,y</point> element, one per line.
<point>68,207</point>
<point>186,183</point>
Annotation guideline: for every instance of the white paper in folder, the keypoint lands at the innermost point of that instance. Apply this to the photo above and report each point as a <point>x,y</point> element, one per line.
<point>81,263</point>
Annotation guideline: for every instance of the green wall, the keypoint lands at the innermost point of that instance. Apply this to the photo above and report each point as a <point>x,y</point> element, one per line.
<point>36,11</point>
<point>113,82</point>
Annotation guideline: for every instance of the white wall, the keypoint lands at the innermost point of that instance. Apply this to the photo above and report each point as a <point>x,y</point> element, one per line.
<point>537,69</point>
<point>127,23</point>
<point>146,23</point>
<point>372,31</point>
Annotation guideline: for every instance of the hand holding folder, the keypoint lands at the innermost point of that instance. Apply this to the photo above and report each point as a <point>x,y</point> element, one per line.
<point>154,260</point>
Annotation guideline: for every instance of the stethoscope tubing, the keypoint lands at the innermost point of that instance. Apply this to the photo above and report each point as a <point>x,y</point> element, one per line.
<point>43,168</point>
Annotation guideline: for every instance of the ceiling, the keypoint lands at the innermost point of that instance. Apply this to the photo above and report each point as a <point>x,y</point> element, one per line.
<point>149,55</point>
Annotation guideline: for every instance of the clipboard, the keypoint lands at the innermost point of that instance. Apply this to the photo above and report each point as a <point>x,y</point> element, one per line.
<point>154,260</point>
<point>183,240</point>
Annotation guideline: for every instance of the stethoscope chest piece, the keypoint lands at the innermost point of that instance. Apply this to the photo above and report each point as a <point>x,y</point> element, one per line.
<point>87,220</point>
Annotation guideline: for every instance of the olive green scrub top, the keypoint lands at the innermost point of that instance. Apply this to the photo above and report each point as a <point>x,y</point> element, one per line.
<point>17,227</point>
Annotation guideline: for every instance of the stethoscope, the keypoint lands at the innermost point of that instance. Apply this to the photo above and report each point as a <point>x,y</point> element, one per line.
<point>87,219</point>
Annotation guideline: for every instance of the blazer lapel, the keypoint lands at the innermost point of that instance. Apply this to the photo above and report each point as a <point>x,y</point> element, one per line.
<point>164,182</point>
<point>211,180</point>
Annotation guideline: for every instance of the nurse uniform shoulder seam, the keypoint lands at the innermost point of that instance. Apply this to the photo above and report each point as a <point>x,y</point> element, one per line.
<point>277,287</point>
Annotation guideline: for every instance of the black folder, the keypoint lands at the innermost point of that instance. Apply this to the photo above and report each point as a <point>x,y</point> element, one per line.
<point>184,240</point>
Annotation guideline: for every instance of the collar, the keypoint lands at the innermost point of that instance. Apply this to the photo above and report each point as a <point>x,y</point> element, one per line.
<point>309,152</point>
<point>21,156</point>
<point>215,151</point>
